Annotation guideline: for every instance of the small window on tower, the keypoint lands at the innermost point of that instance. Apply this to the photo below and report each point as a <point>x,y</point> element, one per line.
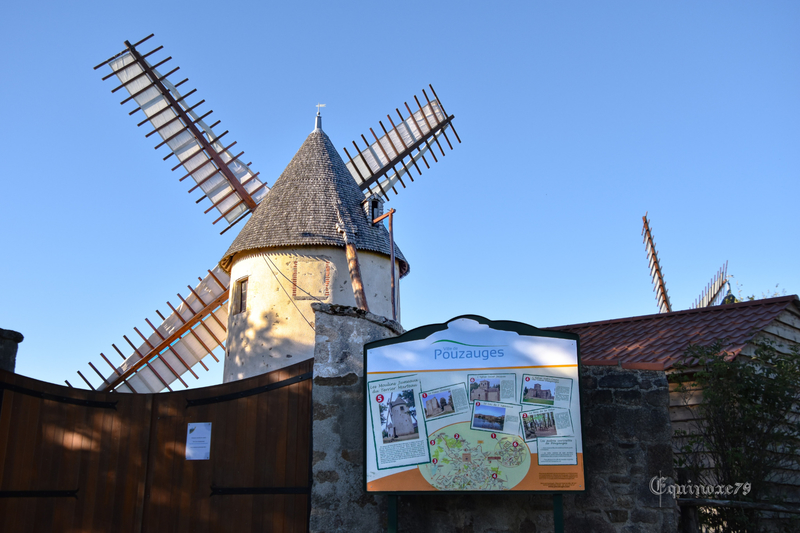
<point>240,296</point>
<point>373,207</point>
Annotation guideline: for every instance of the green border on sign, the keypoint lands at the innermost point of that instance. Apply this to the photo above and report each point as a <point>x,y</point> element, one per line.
<point>423,332</point>
<point>372,420</point>
<point>454,413</point>
<point>497,374</point>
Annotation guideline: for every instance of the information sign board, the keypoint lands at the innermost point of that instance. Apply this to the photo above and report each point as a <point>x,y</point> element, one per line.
<point>473,405</point>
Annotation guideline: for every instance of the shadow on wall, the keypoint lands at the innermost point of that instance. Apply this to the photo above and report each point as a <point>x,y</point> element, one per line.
<point>125,456</point>
<point>271,342</point>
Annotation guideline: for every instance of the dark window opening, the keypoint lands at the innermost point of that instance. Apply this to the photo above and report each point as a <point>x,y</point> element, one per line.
<point>240,297</point>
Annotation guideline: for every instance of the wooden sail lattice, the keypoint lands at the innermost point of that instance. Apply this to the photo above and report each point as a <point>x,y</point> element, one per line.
<point>192,331</point>
<point>712,294</point>
<point>233,189</point>
<point>660,288</point>
<point>197,326</point>
<point>380,164</point>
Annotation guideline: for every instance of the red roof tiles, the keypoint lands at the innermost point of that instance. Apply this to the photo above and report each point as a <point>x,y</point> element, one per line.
<point>652,341</point>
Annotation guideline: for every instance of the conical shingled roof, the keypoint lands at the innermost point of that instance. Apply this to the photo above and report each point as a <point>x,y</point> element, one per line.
<point>303,205</point>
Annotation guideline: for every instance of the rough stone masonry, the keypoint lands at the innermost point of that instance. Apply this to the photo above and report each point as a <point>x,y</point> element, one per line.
<point>338,499</point>
<point>626,441</point>
<point>9,340</point>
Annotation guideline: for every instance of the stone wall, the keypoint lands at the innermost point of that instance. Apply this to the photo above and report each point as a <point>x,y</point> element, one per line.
<point>273,331</point>
<point>627,441</point>
<point>338,499</point>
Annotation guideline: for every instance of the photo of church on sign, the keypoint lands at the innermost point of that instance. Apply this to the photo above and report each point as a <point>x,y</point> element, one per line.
<point>542,392</point>
<point>485,391</point>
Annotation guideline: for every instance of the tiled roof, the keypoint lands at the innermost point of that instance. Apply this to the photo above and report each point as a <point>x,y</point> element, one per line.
<point>658,341</point>
<point>304,205</point>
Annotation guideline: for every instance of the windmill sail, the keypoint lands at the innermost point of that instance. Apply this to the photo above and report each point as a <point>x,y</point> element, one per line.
<point>660,288</point>
<point>233,189</point>
<point>389,424</point>
<point>181,341</point>
<point>379,165</point>
<point>712,295</point>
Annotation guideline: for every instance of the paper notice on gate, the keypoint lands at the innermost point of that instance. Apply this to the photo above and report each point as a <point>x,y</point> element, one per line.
<point>198,441</point>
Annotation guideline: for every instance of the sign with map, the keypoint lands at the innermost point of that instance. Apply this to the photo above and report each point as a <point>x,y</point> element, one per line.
<point>473,405</point>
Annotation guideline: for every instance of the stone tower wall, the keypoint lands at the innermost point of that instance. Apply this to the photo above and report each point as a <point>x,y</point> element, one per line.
<point>276,329</point>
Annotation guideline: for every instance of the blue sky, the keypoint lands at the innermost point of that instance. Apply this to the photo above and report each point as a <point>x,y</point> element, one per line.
<point>576,119</point>
<point>489,410</point>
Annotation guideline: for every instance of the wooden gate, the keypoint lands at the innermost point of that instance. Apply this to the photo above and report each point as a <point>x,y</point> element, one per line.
<point>75,460</point>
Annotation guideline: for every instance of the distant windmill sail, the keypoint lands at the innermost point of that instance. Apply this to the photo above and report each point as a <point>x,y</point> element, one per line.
<point>712,295</point>
<point>193,330</point>
<point>379,165</point>
<point>233,189</point>
<point>662,297</point>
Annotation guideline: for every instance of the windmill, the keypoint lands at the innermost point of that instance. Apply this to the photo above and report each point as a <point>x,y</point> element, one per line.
<point>389,425</point>
<point>711,295</point>
<point>176,344</point>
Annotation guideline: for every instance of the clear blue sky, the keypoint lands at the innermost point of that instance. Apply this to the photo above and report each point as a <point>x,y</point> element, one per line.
<point>576,119</point>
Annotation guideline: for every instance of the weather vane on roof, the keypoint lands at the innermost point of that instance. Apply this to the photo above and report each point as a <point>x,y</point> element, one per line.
<point>318,118</point>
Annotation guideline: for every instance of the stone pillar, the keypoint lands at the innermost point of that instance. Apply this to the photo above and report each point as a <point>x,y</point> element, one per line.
<point>8,348</point>
<point>338,499</point>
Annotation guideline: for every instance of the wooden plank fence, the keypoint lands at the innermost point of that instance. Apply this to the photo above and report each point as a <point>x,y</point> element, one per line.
<point>76,460</point>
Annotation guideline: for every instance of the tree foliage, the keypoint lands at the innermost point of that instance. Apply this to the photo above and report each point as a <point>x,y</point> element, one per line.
<point>408,396</point>
<point>746,429</point>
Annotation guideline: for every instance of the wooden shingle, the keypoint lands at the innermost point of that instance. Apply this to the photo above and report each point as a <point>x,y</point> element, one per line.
<point>304,206</point>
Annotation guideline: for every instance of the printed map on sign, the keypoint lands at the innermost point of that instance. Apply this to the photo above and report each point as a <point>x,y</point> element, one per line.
<point>464,459</point>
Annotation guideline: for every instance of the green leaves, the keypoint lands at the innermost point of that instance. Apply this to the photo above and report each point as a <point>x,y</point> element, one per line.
<point>747,426</point>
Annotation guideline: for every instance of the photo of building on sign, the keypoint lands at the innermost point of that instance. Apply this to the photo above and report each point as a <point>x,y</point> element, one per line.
<point>486,390</point>
<point>542,392</point>
<point>399,417</point>
<point>438,404</point>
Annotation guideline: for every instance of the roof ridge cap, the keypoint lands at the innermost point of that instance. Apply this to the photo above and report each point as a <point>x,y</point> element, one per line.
<point>716,308</point>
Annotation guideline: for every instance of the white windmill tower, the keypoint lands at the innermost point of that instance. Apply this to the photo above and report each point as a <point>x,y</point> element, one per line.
<point>312,235</point>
